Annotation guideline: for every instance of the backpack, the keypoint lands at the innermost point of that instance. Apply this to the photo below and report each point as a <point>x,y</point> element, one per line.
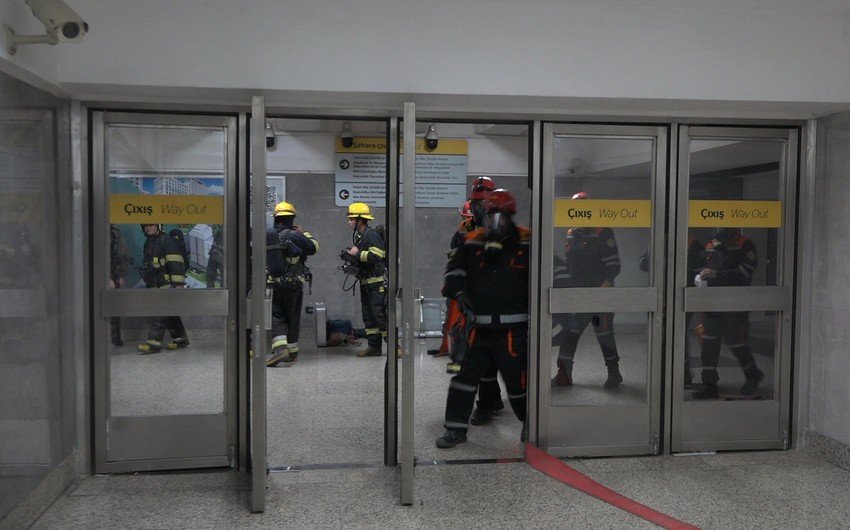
<point>177,234</point>
<point>276,265</point>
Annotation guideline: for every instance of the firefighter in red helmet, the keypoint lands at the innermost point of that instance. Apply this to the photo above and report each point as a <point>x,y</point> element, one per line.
<point>591,259</point>
<point>493,254</point>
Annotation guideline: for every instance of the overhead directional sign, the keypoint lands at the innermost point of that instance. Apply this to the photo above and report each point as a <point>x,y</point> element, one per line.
<point>361,173</point>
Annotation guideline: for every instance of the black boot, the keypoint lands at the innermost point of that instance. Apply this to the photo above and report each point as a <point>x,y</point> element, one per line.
<point>451,438</point>
<point>754,377</point>
<point>708,391</point>
<point>614,377</point>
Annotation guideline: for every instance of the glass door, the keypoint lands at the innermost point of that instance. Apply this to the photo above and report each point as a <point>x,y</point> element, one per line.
<point>163,282</point>
<point>601,287</point>
<point>733,288</point>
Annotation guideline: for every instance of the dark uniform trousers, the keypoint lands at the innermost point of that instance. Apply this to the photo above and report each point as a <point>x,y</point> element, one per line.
<point>373,302</point>
<point>174,325</point>
<point>505,349</point>
<point>286,312</point>
<point>603,325</point>
<point>733,329</point>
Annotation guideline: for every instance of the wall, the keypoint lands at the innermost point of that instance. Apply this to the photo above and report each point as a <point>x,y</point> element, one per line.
<point>746,50</point>
<point>829,393</point>
<point>37,381</point>
<point>36,63</point>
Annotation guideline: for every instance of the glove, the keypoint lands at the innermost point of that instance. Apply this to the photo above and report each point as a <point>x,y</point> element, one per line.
<point>463,303</point>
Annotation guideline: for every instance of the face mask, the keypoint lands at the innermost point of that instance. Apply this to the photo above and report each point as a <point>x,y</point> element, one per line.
<point>496,224</point>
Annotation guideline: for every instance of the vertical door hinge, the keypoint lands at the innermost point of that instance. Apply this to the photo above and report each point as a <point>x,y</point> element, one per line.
<point>231,456</point>
<point>786,442</point>
<point>655,443</point>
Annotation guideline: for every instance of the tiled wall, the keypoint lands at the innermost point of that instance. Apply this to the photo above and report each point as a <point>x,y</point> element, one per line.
<point>36,381</point>
<point>829,353</point>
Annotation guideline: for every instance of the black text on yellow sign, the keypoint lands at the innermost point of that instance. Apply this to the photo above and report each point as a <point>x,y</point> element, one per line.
<point>735,214</point>
<point>448,146</point>
<point>603,213</point>
<point>170,209</point>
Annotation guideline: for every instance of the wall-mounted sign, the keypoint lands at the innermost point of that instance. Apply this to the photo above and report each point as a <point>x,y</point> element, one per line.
<point>603,212</point>
<point>735,214</point>
<point>361,173</point>
<point>166,209</point>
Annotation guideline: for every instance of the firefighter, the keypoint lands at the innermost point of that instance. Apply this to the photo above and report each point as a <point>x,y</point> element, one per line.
<point>164,268</point>
<point>118,264</point>
<point>730,260</point>
<point>215,258</point>
<point>466,226</point>
<point>489,393</point>
<point>488,278</point>
<point>369,252</point>
<point>591,259</point>
<point>287,248</point>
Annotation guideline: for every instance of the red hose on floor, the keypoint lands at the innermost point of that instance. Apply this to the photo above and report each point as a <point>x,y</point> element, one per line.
<point>560,471</point>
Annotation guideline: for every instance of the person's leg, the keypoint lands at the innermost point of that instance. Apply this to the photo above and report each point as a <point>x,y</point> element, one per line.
<point>736,330</point>
<point>511,357</point>
<point>155,335</point>
<point>115,331</point>
<point>279,349</point>
<point>292,312</point>
<point>461,395</point>
<point>373,332</point>
<point>574,325</point>
<point>603,325</point>
<point>710,355</point>
<point>489,396</point>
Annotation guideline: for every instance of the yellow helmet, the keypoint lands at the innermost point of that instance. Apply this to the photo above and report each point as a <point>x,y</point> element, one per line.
<point>359,209</point>
<point>284,208</point>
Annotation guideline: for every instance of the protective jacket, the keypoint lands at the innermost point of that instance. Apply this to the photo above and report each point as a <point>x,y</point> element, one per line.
<point>372,252</point>
<point>118,259</point>
<point>590,258</point>
<point>495,282</point>
<point>287,250</point>
<point>733,256</point>
<point>164,264</point>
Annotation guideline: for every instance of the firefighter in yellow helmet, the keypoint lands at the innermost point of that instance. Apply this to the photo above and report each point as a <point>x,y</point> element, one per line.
<point>164,267</point>
<point>287,248</point>
<point>368,250</point>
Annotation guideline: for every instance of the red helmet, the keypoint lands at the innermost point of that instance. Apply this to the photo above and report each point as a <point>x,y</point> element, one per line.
<point>481,188</point>
<point>466,210</point>
<point>581,195</point>
<point>500,201</point>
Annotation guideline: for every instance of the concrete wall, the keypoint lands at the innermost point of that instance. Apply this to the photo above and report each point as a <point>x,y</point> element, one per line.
<point>829,351</point>
<point>685,49</point>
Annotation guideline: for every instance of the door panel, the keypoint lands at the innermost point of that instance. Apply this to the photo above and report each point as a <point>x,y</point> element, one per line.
<point>601,279</point>
<point>733,281</point>
<point>150,410</point>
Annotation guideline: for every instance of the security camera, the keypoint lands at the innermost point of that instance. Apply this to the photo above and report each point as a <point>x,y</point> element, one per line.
<point>431,138</point>
<point>346,136</point>
<point>61,23</point>
<point>576,167</point>
<point>271,138</point>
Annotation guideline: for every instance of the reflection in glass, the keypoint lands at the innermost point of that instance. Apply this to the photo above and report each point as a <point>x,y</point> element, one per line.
<point>599,359</point>
<point>181,380</point>
<point>185,163</point>
<point>733,355</point>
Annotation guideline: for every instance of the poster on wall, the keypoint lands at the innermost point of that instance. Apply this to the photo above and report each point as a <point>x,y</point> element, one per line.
<point>190,205</point>
<point>361,173</point>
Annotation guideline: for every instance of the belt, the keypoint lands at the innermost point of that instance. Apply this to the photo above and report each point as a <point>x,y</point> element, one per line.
<point>487,320</point>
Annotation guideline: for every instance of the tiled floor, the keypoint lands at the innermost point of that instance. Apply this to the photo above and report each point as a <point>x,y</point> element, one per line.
<point>735,490</point>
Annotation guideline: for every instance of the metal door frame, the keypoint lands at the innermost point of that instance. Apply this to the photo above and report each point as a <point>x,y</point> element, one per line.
<point>616,299</point>
<point>773,414</point>
<point>127,303</point>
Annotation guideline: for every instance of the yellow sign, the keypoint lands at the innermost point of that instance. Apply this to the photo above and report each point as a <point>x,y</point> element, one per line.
<point>378,145</point>
<point>171,209</point>
<point>603,212</point>
<point>735,214</point>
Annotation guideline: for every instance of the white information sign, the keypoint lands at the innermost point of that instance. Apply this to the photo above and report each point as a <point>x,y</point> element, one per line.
<point>361,173</point>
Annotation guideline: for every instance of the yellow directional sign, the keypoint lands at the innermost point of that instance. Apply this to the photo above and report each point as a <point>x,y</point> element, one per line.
<point>603,212</point>
<point>377,145</point>
<point>736,214</point>
<point>171,209</point>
